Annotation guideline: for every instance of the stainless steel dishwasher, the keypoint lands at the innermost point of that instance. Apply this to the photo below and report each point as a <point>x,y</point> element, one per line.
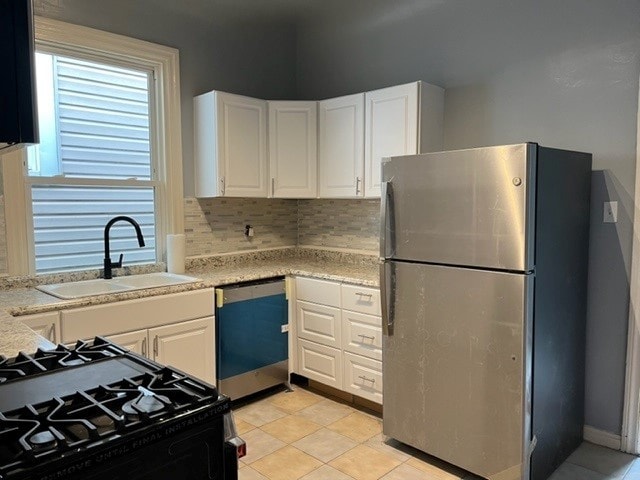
<point>251,337</point>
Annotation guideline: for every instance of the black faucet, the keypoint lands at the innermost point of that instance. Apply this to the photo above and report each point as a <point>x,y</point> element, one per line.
<point>108,264</point>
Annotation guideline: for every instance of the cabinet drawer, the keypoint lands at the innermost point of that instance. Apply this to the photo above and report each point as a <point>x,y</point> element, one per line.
<point>319,323</point>
<point>129,315</point>
<point>363,377</point>
<point>320,363</point>
<point>318,291</point>
<point>361,299</point>
<point>362,334</point>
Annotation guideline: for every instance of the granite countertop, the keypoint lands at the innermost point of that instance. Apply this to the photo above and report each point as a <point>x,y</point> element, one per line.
<point>15,337</point>
<point>211,272</point>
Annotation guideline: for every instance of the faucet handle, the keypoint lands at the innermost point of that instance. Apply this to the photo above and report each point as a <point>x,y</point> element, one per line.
<point>119,263</point>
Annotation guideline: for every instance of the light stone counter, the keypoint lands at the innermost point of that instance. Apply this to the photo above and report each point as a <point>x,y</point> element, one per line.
<point>15,336</point>
<point>212,272</point>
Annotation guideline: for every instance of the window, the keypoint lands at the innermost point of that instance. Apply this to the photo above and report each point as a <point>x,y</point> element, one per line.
<point>110,145</point>
<point>94,125</point>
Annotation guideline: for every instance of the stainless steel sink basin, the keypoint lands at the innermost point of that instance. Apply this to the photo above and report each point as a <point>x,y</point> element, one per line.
<point>88,288</point>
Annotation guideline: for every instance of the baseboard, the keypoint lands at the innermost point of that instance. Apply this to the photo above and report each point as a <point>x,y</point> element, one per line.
<point>600,437</point>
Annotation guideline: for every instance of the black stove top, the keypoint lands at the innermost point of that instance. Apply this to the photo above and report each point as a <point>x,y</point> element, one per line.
<point>58,403</point>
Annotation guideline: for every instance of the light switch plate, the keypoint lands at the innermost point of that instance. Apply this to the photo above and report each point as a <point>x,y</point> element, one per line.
<point>610,214</point>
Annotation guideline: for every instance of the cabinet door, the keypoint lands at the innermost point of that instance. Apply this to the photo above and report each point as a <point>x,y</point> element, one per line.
<point>341,146</point>
<point>46,325</point>
<point>188,346</point>
<point>319,323</point>
<point>134,341</point>
<point>230,149</point>
<point>320,363</point>
<point>293,149</point>
<point>242,145</point>
<point>391,129</point>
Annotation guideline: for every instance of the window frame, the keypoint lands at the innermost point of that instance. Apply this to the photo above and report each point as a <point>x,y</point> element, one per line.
<point>59,37</point>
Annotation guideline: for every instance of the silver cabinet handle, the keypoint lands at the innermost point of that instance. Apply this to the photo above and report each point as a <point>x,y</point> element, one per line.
<point>358,185</point>
<point>365,379</point>
<point>387,221</point>
<point>388,288</point>
<point>370,295</point>
<point>52,333</point>
<point>273,186</point>
<point>368,337</point>
<point>222,186</point>
<point>155,347</point>
<point>144,347</point>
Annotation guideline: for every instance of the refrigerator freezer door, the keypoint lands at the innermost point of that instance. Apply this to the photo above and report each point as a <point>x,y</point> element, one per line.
<point>466,207</point>
<point>457,366</point>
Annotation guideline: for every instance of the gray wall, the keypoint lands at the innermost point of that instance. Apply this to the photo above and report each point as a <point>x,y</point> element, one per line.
<point>217,50</point>
<point>564,74</point>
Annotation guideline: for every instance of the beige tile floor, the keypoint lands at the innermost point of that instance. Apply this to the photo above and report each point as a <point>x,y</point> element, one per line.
<point>302,435</point>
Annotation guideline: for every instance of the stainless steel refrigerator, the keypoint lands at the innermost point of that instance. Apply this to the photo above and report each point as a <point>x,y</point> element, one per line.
<point>484,302</point>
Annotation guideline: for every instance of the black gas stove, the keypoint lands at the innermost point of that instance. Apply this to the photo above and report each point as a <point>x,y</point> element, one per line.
<point>98,411</point>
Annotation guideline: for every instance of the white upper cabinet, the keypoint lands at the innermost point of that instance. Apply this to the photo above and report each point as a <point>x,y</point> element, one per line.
<point>293,149</point>
<point>400,120</point>
<point>230,145</point>
<point>341,146</point>
<point>327,149</point>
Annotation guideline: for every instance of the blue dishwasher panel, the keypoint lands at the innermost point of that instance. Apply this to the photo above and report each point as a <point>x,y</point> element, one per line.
<point>249,335</point>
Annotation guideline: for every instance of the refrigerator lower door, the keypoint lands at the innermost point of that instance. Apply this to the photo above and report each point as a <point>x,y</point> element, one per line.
<point>457,367</point>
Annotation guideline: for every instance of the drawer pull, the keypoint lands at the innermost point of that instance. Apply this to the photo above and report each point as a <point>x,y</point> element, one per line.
<point>361,294</point>
<point>365,379</point>
<point>367,337</point>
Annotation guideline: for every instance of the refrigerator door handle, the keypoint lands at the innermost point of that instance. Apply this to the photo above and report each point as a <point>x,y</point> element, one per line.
<point>388,289</point>
<point>387,221</point>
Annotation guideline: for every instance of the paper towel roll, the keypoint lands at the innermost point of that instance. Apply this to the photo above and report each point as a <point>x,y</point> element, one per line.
<point>175,253</point>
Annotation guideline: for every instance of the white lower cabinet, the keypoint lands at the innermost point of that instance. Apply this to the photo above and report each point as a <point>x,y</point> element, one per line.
<point>176,329</point>
<point>363,377</point>
<point>362,334</point>
<point>339,336</point>
<point>319,323</point>
<point>320,363</point>
<point>46,325</point>
<point>175,345</point>
<point>136,341</point>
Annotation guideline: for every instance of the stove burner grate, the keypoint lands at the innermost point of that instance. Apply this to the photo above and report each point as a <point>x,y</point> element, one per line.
<point>69,423</point>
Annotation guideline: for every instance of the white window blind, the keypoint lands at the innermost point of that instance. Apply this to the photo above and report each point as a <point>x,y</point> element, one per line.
<point>95,162</point>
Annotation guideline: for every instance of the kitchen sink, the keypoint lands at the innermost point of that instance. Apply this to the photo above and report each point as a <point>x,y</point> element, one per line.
<point>151,280</point>
<point>88,288</point>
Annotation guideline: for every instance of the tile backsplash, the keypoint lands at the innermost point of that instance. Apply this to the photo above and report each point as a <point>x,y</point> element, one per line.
<point>341,224</point>
<point>216,225</point>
